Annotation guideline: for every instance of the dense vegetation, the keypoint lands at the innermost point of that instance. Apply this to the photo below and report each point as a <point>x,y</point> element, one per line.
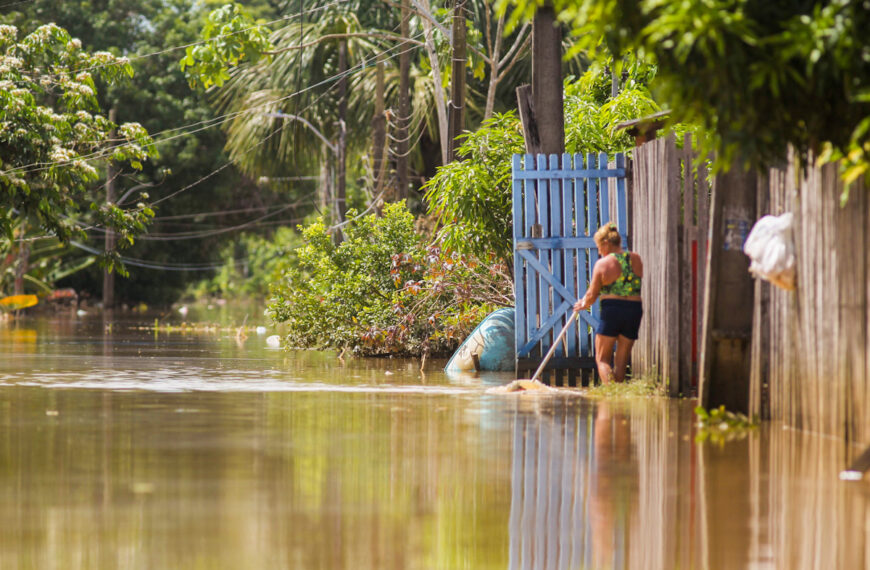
<point>384,289</point>
<point>757,75</point>
<point>284,114</point>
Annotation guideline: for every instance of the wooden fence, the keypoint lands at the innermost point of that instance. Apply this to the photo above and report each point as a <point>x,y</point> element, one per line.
<point>810,347</point>
<point>669,218</point>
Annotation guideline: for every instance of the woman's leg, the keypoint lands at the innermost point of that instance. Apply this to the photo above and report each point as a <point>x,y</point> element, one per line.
<point>620,361</point>
<point>604,356</point>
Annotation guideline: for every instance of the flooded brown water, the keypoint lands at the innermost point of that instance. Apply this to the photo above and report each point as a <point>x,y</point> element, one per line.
<point>122,449</point>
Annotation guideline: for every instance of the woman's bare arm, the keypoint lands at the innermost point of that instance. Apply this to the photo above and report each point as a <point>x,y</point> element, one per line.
<point>593,290</point>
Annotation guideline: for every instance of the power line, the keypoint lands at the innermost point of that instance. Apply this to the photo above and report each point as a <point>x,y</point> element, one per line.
<point>201,125</point>
<point>166,266</point>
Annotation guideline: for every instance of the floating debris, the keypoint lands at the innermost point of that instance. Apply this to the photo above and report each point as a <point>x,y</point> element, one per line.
<point>273,341</point>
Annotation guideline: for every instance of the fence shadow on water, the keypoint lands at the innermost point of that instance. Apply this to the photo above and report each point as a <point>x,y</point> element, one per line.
<point>626,486</point>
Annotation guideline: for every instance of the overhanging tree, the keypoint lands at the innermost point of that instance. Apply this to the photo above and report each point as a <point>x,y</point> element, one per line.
<point>759,76</point>
<point>53,138</point>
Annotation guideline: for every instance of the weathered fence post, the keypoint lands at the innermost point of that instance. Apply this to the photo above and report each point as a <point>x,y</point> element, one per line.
<point>729,295</point>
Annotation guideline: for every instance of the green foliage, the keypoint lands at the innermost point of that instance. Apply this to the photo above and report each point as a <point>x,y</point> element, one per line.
<point>758,76</point>
<point>472,196</point>
<point>382,290</point>
<point>719,425</point>
<point>251,263</point>
<point>51,129</point>
<point>230,36</point>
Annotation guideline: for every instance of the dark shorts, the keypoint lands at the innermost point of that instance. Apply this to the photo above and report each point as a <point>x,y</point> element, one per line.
<point>620,317</point>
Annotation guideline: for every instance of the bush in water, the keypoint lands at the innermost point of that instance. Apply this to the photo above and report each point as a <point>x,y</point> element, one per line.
<point>383,290</point>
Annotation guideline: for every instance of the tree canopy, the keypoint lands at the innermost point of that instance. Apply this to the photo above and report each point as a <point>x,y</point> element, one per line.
<point>758,75</point>
<point>51,130</point>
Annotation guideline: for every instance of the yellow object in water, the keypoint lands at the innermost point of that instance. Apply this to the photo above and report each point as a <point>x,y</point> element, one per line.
<point>16,302</point>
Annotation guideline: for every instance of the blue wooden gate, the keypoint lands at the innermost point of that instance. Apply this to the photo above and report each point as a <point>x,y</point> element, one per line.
<point>558,204</point>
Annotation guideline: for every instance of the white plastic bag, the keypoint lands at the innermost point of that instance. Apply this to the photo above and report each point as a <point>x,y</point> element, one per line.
<point>771,250</point>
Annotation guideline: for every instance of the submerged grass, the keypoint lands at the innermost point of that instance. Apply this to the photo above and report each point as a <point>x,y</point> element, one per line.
<point>634,388</point>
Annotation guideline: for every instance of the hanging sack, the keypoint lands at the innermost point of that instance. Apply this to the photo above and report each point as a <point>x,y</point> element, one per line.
<point>771,250</point>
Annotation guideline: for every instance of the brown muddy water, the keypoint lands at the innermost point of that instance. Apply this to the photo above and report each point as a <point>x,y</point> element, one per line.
<point>125,449</point>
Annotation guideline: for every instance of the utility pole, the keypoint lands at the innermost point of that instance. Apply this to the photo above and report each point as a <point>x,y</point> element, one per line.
<point>547,79</point>
<point>379,131</point>
<point>341,183</point>
<point>109,276</point>
<point>404,105</point>
<point>456,117</point>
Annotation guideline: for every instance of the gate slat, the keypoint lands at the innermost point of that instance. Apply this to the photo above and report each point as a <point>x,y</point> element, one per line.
<point>582,254</point>
<point>519,281</point>
<point>621,201</point>
<point>556,256</point>
<point>569,254</point>
<point>602,197</point>
<point>530,206</point>
<point>593,191</point>
<point>543,255</point>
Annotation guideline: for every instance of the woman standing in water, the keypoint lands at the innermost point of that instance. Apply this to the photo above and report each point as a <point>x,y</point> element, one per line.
<point>616,277</point>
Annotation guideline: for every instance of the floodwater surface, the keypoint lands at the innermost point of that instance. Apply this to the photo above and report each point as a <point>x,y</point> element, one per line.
<point>122,448</point>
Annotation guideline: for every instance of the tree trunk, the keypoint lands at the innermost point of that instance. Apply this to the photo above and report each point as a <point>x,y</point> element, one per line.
<point>456,117</point>
<point>440,98</point>
<point>494,71</point>
<point>404,106</point>
<point>547,80</point>
<point>109,276</point>
<point>23,260</point>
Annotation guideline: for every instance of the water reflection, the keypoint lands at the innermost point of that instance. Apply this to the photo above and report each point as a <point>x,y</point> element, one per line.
<point>613,486</point>
<point>119,449</point>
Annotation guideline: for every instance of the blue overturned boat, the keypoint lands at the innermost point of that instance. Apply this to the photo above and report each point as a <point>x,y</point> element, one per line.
<point>490,346</point>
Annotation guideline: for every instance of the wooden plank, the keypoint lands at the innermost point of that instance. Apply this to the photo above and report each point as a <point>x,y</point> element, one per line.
<point>544,257</point>
<point>557,242</point>
<point>639,225</point>
<point>561,174</point>
<point>593,192</point>
<point>760,340</point>
<point>703,236</point>
<point>530,206</point>
<point>621,200</point>
<point>602,184</point>
<point>519,281</point>
<point>580,189</point>
<point>672,248</point>
<point>570,256</point>
<point>684,267</point>
<point>556,257</point>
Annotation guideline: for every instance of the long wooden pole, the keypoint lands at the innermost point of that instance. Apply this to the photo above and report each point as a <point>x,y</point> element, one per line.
<point>555,345</point>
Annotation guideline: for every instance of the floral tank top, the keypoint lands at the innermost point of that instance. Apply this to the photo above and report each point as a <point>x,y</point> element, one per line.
<point>627,284</point>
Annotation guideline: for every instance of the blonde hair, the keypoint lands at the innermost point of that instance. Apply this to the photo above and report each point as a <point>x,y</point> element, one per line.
<point>608,233</point>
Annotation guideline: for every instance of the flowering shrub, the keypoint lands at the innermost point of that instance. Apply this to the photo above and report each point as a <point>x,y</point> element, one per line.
<point>383,290</point>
